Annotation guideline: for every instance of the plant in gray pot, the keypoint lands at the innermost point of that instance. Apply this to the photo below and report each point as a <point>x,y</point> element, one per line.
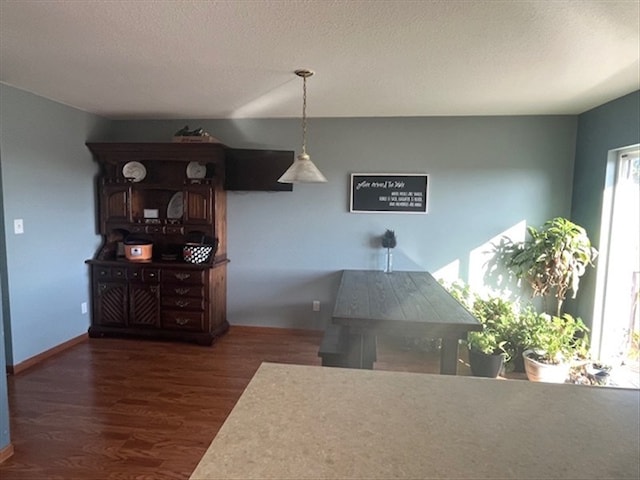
<point>487,348</point>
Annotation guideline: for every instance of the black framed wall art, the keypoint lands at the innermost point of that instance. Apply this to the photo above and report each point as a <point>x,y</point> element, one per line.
<point>389,193</point>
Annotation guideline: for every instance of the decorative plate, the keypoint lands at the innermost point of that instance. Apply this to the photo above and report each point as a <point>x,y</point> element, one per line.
<point>175,207</point>
<point>196,170</point>
<point>134,171</point>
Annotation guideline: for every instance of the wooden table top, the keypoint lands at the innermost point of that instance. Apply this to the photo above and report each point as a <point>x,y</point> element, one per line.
<point>306,422</point>
<point>388,301</point>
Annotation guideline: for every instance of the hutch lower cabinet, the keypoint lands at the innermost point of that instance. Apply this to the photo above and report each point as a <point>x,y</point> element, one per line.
<point>166,301</point>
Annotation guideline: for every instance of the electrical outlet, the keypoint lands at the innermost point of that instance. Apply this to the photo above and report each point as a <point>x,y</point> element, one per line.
<point>83,307</point>
<point>316,305</point>
<point>18,226</point>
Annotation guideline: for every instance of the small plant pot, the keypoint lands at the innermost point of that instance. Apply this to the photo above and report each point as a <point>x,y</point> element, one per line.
<point>598,374</point>
<point>544,372</point>
<point>483,365</point>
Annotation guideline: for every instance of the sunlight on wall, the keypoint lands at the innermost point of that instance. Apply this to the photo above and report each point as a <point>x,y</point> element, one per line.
<point>280,94</point>
<point>486,277</point>
<point>449,273</point>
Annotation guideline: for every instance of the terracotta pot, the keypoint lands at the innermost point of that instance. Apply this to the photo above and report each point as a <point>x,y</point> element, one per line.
<point>544,372</point>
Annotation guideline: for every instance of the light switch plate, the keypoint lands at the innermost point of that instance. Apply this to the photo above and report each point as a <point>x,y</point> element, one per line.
<point>18,226</point>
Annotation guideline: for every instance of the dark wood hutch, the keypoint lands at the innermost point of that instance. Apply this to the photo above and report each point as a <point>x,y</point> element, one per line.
<point>177,195</point>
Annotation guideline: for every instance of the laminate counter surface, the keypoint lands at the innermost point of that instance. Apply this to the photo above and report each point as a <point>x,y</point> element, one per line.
<point>308,422</point>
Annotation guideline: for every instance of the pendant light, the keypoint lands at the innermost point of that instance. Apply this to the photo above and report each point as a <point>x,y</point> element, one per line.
<point>302,170</point>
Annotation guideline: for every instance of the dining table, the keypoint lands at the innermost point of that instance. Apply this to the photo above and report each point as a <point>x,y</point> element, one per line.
<point>408,303</point>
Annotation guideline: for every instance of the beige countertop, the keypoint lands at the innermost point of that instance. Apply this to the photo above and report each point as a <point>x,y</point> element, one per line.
<point>307,422</point>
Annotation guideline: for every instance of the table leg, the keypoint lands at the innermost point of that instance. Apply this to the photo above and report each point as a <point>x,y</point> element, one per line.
<point>449,356</point>
<point>362,350</point>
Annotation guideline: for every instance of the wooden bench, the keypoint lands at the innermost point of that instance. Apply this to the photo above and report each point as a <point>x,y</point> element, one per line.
<point>334,346</point>
<point>337,348</point>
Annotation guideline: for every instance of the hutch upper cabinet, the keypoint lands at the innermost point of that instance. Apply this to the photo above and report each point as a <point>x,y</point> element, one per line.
<point>165,195</point>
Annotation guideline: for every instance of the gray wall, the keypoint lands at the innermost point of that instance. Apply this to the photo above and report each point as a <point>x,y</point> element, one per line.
<point>5,438</point>
<point>613,125</point>
<point>488,175</point>
<point>47,180</point>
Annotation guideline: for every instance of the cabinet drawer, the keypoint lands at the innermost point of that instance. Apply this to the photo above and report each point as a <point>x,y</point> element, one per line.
<point>189,277</point>
<point>174,230</point>
<point>110,273</point>
<point>153,229</point>
<point>183,303</point>
<point>177,320</point>
<point>150,275</point>
<point>145,275</point>
<point>102,272</point>
<point>174,290</point>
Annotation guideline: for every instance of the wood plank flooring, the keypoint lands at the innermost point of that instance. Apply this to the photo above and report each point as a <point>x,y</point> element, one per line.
<point>118,409</point>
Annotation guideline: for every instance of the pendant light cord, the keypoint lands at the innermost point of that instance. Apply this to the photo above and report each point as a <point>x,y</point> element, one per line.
<point>304,115</point>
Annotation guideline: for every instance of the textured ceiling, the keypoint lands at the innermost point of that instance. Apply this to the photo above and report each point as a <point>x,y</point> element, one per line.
<point>235,58</point>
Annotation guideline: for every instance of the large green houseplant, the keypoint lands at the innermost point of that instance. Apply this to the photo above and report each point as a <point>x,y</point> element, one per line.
<point>551,261</point>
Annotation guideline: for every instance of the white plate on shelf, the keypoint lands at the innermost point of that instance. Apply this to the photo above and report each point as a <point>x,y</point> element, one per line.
<point>134,171</point>
<point>175,207</point>
<point>196,170</point>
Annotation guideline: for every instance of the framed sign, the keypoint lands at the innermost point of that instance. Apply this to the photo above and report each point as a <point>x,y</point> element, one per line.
<point>389,193</point>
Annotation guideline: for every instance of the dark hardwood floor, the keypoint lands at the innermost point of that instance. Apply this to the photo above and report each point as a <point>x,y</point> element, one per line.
<point>137,409</point>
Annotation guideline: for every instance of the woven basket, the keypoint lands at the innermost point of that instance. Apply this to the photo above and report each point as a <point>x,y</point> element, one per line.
<point>196,252</point>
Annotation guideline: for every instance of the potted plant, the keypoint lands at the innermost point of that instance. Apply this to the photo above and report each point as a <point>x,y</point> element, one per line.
<point>488,348</point>
<point>556,342</point>
<point>551,262</point>
<point>487,352</point>
<point>389,241</point>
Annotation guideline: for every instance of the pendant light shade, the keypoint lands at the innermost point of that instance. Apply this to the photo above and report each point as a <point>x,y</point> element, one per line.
<point>302,170</point>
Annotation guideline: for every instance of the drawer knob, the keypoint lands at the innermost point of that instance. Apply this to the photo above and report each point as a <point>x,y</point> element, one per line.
<point>181,291</point>
<point>182,321</point>
<point>182,303</point>
<point>182,276</point>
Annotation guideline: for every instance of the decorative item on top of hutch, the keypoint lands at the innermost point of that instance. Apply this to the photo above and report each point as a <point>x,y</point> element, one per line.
<point>161,269</point>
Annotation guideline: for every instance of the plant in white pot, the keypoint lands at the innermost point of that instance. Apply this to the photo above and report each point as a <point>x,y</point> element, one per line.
<point>551,262</point>
<point>556,343</point>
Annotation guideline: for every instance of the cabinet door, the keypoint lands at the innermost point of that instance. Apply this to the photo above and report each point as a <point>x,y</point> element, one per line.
<point>110,303</point>
<point>144,305</point>
<point>115,204</point>
<point>198,205</point>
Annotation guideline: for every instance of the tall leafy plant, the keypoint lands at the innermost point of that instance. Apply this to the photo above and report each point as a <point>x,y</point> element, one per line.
<point>552,260</point>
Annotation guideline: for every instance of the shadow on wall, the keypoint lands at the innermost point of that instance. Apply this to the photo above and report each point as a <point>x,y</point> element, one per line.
<point>485,273</point>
